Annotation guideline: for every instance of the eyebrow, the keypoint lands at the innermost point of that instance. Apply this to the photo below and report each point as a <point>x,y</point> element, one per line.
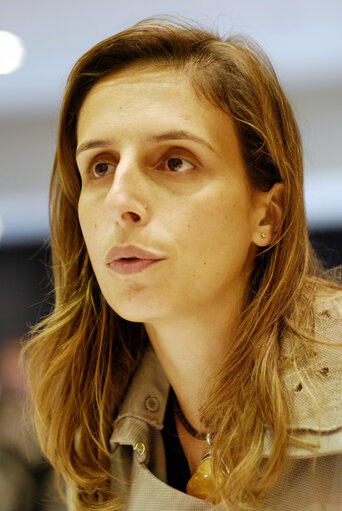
<point>172,135</point>
<point>92,145</point>
<point>181,135</point>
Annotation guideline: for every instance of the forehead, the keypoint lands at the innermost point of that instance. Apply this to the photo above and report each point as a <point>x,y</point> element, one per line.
<point>139,87</point>
<point>139,72</point>
<point>146,100</point>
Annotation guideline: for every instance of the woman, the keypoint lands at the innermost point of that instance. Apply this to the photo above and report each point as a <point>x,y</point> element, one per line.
<point>191,360</point>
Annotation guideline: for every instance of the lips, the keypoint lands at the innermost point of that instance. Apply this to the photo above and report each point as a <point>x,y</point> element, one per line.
<point>130,259</point>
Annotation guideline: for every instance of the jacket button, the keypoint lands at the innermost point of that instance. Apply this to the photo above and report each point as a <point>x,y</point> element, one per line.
<point>152,403</point>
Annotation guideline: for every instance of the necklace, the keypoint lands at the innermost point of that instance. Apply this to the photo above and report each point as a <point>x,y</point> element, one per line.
<point>187,426</point>
<point>201,484</point>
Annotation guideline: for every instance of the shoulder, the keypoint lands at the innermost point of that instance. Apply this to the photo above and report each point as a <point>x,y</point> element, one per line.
<point>328,316</point>
<point>314,391</point>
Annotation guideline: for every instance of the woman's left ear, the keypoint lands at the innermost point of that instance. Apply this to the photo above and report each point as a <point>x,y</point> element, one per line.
<point>270,213</point>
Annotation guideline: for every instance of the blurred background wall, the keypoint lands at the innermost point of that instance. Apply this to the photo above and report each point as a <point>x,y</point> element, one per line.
<point>302,38</point>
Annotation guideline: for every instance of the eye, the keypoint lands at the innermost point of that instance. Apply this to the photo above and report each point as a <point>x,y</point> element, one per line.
<point>101,169</point>
<point>177,164</point>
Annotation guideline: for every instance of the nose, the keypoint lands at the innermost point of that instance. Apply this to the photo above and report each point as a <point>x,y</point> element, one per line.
<point>125,198</point>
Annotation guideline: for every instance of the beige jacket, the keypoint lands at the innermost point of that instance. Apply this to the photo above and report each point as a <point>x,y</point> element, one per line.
<point>138,458</point>
<point>138,451</point>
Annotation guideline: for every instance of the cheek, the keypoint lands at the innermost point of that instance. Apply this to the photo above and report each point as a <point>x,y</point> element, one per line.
<point>89,227</point>
<point>217,216</point>
<point>218,231</point>
<point>81,210</point>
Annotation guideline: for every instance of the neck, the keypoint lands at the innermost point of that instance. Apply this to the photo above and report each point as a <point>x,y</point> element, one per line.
<point>191,350</point>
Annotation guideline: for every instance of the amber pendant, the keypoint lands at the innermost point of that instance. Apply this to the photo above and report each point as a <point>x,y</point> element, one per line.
<point>202,484</point>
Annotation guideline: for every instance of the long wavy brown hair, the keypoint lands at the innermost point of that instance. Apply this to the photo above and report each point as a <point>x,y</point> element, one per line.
<point>81,357</point>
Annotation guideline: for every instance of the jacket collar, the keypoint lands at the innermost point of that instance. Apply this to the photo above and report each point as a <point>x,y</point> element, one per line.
<point>315,402</point>
<point>144,403</point>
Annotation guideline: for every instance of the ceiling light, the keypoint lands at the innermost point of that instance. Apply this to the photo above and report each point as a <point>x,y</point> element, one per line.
<point>11,52</point>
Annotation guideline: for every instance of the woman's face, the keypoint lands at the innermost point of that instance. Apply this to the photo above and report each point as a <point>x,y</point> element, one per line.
<point>168,217</point>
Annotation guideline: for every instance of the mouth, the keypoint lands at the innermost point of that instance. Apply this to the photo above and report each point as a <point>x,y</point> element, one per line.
<point>130,259</point>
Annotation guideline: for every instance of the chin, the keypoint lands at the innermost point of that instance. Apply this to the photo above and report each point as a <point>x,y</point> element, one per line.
<point>136,304</point>
<point>133,312</point>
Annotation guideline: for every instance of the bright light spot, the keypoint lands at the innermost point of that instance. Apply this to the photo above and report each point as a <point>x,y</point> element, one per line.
<point>11,52</point>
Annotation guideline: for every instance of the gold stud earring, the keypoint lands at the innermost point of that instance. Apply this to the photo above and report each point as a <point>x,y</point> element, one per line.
<point>263,235</point>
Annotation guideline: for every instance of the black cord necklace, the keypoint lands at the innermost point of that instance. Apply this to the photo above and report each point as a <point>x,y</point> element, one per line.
<point>187,426</point>
<point>202,483</point>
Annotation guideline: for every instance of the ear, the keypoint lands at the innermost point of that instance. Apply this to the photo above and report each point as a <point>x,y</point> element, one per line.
<point>270,212</point>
